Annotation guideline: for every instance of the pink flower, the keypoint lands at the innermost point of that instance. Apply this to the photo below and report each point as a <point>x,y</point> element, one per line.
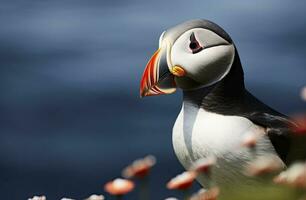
<point>38,198</point>
<point>251,137</point>
<point>182,181</point>
<point>119,186</point>
<point>294,176</point>
<point>139,168</point>
<point>250,141</point>
<point>300,128</point>
<point>265,164</point>
<point>202,194</point>
<point>204,165</point>
<point>95,197</point>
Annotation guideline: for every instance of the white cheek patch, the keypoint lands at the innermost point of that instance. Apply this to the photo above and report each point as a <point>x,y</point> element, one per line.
<point>207,66</point>
<point>215,61</point>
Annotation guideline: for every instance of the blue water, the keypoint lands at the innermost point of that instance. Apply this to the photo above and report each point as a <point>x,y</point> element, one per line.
<point>71,117</point>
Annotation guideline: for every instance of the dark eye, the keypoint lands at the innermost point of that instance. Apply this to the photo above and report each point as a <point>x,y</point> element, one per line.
<point>194,45</point>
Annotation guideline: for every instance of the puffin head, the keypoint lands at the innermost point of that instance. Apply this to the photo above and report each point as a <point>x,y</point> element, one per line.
<point>191,55</point>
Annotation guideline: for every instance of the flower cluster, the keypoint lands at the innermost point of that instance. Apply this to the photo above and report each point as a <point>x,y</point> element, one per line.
<point>92,197</point>
<point>139,168</point>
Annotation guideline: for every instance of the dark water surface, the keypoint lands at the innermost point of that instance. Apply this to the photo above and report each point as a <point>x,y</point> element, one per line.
<point>71,117</point>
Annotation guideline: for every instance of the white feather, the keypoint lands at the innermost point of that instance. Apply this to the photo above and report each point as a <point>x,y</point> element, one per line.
<point>198,133</point>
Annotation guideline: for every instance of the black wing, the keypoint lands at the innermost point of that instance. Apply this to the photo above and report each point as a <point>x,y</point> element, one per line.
<point>280,130</point>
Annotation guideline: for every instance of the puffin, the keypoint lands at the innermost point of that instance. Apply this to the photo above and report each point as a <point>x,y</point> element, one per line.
<point>217,112</point>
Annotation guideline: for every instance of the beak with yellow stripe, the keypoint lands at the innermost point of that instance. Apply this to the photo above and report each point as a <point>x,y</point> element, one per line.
<point>158,77</point>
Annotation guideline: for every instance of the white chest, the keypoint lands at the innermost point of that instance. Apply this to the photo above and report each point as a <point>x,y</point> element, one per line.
<point>198,134</point>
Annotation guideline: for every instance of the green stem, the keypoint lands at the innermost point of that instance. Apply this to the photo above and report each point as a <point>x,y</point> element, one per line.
<point>208,177</point>
<point>144,193</point>
<point>186,194</point>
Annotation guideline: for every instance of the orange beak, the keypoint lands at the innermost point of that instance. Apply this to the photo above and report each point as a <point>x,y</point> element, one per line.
<point>157,79</point>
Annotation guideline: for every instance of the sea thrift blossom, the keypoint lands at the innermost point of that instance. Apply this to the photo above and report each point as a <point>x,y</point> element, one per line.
<point>95,197</point>
<point>210,194</point>
<point>171,198</point>
<point>119,186</point>
<point>182,181</point>
<point>265,164</point>
<point>38,198</point>
<point>295,176</point>
<point>300,127</point>
<point>204,165</point>
<point>139,168</point>
<point>251,138</point>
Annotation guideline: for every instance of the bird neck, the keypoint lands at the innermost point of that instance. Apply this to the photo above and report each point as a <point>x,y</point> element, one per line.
<point>221,97</point>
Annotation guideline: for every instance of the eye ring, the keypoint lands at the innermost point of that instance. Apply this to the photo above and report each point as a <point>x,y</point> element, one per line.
<point>194,45</point>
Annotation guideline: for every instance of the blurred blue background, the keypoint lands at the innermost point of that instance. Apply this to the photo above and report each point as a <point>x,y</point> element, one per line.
<point>71,116</point>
